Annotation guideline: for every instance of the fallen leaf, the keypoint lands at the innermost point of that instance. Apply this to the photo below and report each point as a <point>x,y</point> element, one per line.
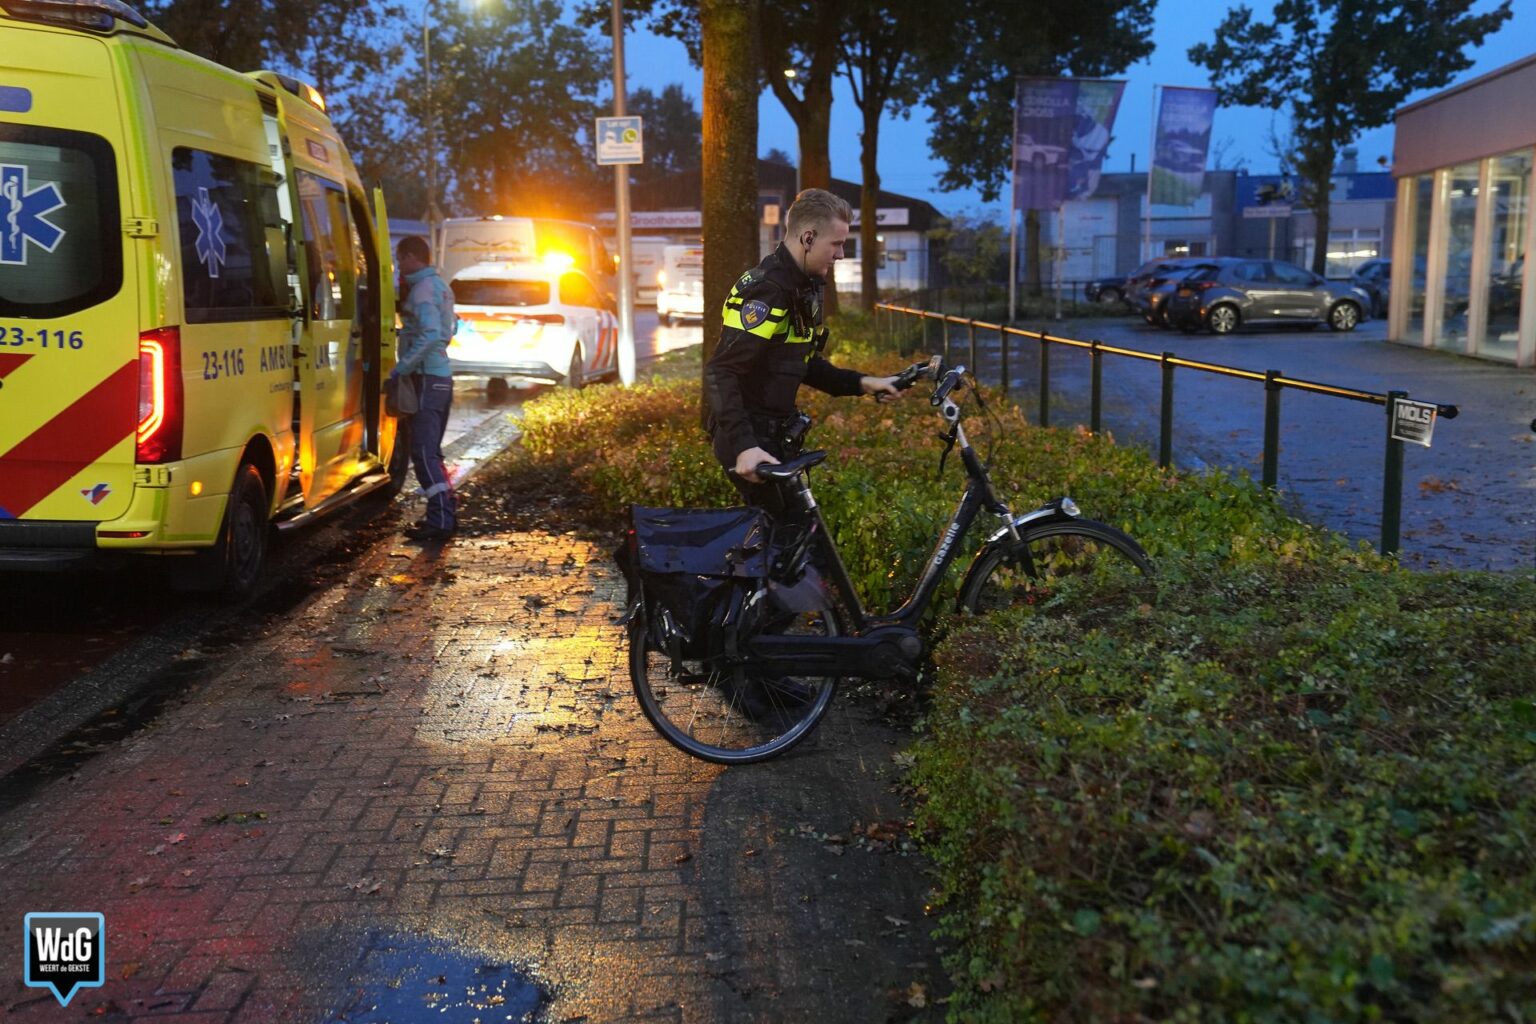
<point>917,996</point>
<point>683,858</point>
<point>128,971</point>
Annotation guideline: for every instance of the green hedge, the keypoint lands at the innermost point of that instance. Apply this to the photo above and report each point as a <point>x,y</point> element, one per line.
<point>1297,786</point>
<point>1298,792</point>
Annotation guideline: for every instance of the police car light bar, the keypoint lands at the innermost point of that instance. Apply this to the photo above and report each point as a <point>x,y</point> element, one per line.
<point>96,15</point>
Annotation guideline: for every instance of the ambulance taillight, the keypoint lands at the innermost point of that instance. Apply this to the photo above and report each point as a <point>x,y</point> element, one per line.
<point>160,396</point>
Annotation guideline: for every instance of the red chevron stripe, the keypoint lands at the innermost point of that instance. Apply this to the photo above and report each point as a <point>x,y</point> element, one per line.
<point>80,435</point>
<point>10,360</point>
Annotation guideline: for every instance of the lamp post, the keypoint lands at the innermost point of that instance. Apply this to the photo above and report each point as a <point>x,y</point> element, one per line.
<point>621,210</point>
<point>434,214</point>
<point>792,73</point>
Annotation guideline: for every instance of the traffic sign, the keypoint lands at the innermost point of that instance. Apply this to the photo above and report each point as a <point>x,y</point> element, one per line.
<point>619,141</point>
<point>1266,212</point>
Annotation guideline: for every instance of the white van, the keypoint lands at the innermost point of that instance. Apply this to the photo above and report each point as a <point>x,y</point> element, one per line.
<point>463,242</point>
<point>680,284</point>
<point>644,263</point>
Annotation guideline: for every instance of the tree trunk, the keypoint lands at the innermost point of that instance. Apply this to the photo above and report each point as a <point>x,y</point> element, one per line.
<point>730,38</point>
<point>1032,251</point>
<point>815,126</point>
<point>1323,190</point>
<point>869,196</point>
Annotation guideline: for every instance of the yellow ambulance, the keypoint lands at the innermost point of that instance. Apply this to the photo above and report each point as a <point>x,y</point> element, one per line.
<point>196,303</point>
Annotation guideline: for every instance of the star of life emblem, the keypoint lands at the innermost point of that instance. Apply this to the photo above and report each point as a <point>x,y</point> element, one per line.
<point>211,251</point>
<point>24,215</point>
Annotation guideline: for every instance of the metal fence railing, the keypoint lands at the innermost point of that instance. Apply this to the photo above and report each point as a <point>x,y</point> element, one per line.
<point>1275,383</point>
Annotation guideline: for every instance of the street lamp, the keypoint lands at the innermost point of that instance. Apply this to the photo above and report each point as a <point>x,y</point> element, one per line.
<point>434,213</point>
<point>626,282</point>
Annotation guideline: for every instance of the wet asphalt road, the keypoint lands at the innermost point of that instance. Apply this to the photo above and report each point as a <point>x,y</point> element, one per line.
<point>59,629</point>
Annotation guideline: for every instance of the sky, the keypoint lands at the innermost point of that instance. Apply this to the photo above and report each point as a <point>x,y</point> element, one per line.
<point>906,166</point>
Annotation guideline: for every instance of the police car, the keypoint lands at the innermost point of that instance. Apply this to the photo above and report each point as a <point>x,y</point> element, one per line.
<point>532,321</point>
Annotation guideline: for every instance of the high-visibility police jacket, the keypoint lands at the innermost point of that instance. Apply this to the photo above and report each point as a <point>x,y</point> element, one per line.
<point>765,352</point>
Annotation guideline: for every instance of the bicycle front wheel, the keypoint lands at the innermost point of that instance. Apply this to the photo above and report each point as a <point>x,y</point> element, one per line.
<point>1005,577</point>
<point>730,714</point>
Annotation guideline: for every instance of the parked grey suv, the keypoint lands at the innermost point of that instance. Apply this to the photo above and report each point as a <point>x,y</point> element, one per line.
<point>1264,291</point>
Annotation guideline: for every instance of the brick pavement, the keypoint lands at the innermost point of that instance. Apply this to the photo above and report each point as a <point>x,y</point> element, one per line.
<point>446,747</point>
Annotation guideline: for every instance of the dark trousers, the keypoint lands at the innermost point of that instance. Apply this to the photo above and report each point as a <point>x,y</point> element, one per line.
<point>427,428</point>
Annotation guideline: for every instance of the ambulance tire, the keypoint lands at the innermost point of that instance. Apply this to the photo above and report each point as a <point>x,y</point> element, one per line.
<point>232,567</point>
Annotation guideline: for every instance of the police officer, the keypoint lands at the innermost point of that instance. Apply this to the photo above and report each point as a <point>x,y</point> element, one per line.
<point>427,321</point>
<point>771,341</point>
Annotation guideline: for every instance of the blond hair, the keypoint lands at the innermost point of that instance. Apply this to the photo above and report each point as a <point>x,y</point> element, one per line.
<point>816,208</point>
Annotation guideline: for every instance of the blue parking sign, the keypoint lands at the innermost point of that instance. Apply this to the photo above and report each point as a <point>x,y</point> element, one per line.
<point>619,141</point>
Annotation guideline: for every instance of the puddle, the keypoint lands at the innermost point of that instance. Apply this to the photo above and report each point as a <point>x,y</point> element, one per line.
<point>402,979</point>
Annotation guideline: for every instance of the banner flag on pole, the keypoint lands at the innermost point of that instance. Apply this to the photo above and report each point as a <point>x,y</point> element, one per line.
<point>1183,140</point>
<point>1061,130</point>
<point>1042,141</point>
<point>1092,127</point>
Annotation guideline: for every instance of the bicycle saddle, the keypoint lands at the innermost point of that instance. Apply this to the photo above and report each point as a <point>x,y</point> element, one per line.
<point>787,470</point>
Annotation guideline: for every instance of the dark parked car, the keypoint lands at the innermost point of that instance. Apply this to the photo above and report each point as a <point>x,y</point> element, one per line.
<point>1374,277</point>
<point>1158,294</point>
<point>1109,291</point>
<point>1151,275</point>
<point>1264,291</point>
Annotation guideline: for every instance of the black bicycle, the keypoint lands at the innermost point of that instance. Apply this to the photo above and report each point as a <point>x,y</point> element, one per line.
<point>735,657</point>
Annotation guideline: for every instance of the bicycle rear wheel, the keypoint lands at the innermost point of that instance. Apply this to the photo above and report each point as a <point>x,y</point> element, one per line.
<point>1004,578</point>
<point>730,715</point>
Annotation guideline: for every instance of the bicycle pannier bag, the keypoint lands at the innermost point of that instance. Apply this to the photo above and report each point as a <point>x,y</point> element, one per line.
<point>695,570</point>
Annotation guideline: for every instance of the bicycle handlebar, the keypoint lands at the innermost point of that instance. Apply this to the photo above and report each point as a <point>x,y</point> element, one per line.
<point>950,382</point>
<point>917,371</point>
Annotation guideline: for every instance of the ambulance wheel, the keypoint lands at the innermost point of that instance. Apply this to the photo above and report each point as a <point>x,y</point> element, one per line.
<point>576,376</point>
<point>232,567</point>
<point>496,390</point>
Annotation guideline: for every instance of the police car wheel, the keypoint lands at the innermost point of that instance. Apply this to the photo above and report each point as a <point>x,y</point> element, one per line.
<point>576,376</point>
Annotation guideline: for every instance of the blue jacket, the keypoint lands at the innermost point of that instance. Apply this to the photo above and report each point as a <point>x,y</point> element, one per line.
<point>427,322</point>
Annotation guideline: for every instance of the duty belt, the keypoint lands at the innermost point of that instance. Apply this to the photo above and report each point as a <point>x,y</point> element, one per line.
<point>788,432</point>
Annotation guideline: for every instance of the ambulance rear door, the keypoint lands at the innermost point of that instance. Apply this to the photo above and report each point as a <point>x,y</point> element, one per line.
<point>331,374</point>
<point>69,340</point>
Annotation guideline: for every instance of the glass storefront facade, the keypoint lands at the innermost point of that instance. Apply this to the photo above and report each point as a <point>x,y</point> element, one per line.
<point>1510,188</point>
<point>1419,201</point>
<point>1460,259</point>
